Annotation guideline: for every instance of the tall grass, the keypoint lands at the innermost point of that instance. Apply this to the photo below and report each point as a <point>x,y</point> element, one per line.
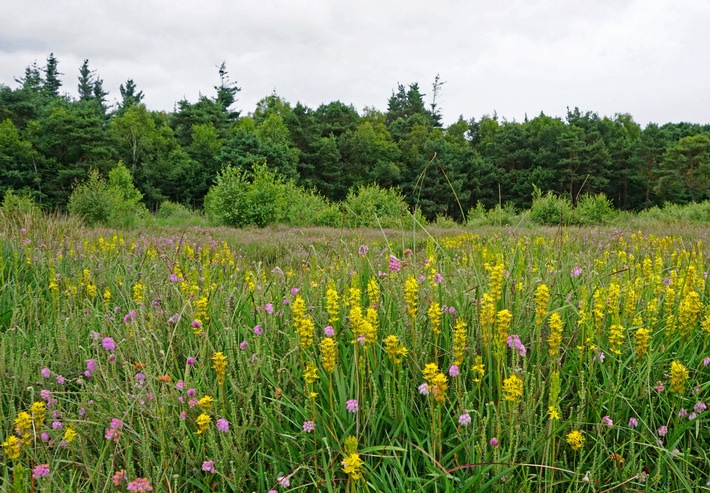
<point>610,323</point>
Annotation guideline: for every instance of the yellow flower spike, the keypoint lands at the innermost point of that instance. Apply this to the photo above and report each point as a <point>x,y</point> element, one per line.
<point>220,366</point>
<point>203,422</point>
<point>328,351</point>
<point>575,439</point>
<point>434,316</point>
<point>11,447</point>
<point>513,388</point>
<point>310,374</point>
<point>206,402</point>
<point>542,299</point>
<point>70,435</point>
<point>555,339</point>
<point>459,341</point>
<point>411,295</point>
<point>679,375</point>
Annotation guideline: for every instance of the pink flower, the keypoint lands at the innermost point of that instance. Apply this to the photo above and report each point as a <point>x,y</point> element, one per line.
<point>662,431</point>
<point>576,272</point>
<point>45,395</point>
<point>258,330</point>
<point>180,385</point>
<point>183,415</point>
<point>222,425</point>
<point>57,425</point>
<point>108,344</point>
<point>454,371</point>
<point>208,466</point>
<point>139,485</point>
<point>351,405</point>
<point>60,380</point>
<point>606,420</point>
<point>294,291</point>
<point>269,308</point>
<point>514,343</point>
<point>465,419</point>
<point>362,250</point>
<point>309,426</point>
<point>191,392</point>
<point>40,471</point>
<point>682,413</point>
<point>700,407</point>
<point>329,331</point>
<point>659,387</point>
<point>493,442</point>
<point>395,264</point>
<point>45,372</point>
<point>284,481</point>
<point>706,361</point>
<point>424,389</point>
<point>191,361</point>
<point>243,345</point>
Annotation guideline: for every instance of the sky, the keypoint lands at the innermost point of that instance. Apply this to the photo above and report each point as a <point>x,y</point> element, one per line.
<point>647,58</point>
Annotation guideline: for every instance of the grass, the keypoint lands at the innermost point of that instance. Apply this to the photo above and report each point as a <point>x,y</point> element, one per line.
<point>171,296</point>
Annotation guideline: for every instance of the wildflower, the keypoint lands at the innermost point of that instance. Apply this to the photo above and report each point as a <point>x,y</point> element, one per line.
<point>208,466</point>
<point>222,425</point>
<point>46,395</point>
<point>479,369</point>
<point>91,365</point>
<point>662,431</point>
<point>118,477</point>
<point>302,322</point>
<point>243,345</point>
<point>542,299</point>
<point>459,341</point>
<point>191,361</point>
<point>332,303</point>
<point>576,272</point>
<point>38,413</point>
<point>139,485</point>
<point>493,442</point>
<point>659,387</point>
<point>683,413</point>
<point>465,419</point>
<point>196,327</point>
<point>310,374</point>
<point>706,361</point>
<point>424,389</point>
<point>69,435</point>
<point>269,308</point>
<point>700,407</point>
<point>351,405</point>
<point>362,250</point>
<point>692,416</point>
<point>513,388</point>
<point>329,331</point>
<point>454,371</point>
<point>140,378</point>
<point>352,466</point>
<point>206,402</point>
<point>11,447</point>
<point>220,365</point>
<point>40,471</point>
<point>616,338</point>
<point>45,372</point>
<point>309,426</point>
<point>515,344</point>
<point>60,380</point>
<point>328,354</point>
<point>411,295</point>
<point>575,439</point>
<point>606,420</point>
<point>434,315</point>
<point>679,374</point>
<point>108,344</point>
<point>555,339</point>
<point>438,278</point>
<point>284,481</point>
<point>641,337</point>
<point>553,413</point>
<point>600,357</point>
<point>395,264</point>
<point>203,422</point>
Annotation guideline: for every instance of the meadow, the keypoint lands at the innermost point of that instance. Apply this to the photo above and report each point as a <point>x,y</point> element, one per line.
<point>284,359</point>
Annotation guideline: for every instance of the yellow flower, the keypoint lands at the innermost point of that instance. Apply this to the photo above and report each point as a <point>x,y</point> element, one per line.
<point>479,369</point>
<point>438,386</point>
<point>138,293</point>
<point>503,319</point>
<point>642,336</point>
<point>328,354</point>
<point>553,413</point>
<point>206,402</point>
<point>23,422</point>
<point>513,388</point>
<point>430,370</point>
<point>332,304</point>
<point>575,439</point>
<point>394,349</point>
<point>107,296</point>
<point>70,435</point>
<point>373,292</point>
<point>459,342</point>
<point>310,374</point>
<point>11,447</point>
<point>220,366</point>
<point>679,375</point>
<point>203,422</point>
<point>555,339</point>
<point>616,338</point>
<point>542,299</point>
<point>411,295</point>
<point>39,410</point>
<point>434,315</point>
<point>352,466</point>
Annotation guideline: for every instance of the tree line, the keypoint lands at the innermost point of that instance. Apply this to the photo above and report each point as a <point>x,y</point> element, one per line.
<point>49,142</point>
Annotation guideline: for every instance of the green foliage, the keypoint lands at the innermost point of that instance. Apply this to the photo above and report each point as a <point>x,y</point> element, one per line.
<point>693,212</point>
<point>594,209</point>
<point>115,203</point>
<point>373,206</point>
<point>550,209</point>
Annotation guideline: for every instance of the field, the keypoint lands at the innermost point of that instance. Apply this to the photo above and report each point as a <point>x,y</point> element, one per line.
<point>201,359</point>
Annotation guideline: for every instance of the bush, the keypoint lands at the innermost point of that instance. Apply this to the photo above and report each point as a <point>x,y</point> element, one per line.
<point>116,203</point>
<point>14,204</point>
<point>373,206</point>
<point>308,208</point>
<point>594,209</point>
<point>549,209</point>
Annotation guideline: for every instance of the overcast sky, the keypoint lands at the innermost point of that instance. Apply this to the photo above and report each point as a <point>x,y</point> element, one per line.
<point>648,58</point>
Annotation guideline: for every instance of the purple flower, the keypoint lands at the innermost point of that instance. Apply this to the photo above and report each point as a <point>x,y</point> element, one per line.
<point>243,345</point>
<point>45,395</point>
<point>91,365</point>
<point>493,442</point>
<point>140,378</point>
<point>692,416</point>
<point>682,413</point>
<point>94,335</point>
<point>361,339</point>
<point>60,380</point>
<point>700,407</point>
<point>329,331</point>
<point>111,357</point>
<point>294,291</point>
<point>191,361</point>
<point>706,361</point>
<point>57,425</point>
<point>577,271</point>
<point>351,405</point>
<point>108,344</point>
<point>196,324</point>
<point>662,431</point>
<point>45,436</point>
<point>191,392</point>
<point>180,385</point>
<point>438,278</point>
<point>258,330</point>
<point>129,317</point>
<point>45,372</point>
<point>659,387</point>
<point>514,343</point>
<point>599,357</point>
<point>284,481</point>
<point>424,389</point>
<point>452,310</point>
<point>222,425</point>
<point>309,426</point>
<point>465,419</point>
<point>208,466</point>
<point>606,420</point>
<point>87,373</point>
<point>454,371</point>
<point>269,308</point>
<point>395,264</point>
<point>40,471</point>
<point>362,250</point>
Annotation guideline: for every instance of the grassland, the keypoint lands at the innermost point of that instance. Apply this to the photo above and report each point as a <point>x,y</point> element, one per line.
<point>492,359</point>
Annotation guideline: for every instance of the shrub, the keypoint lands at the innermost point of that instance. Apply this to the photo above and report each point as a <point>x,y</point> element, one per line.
<point>16,204</point>
<point>549,209</point>
<point>373,206</point>
<point>308,208</point>
<point>594,209</point>
<point>116,203</point>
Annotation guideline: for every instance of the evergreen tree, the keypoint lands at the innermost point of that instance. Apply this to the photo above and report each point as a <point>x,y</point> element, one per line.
<point>51,77</point>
